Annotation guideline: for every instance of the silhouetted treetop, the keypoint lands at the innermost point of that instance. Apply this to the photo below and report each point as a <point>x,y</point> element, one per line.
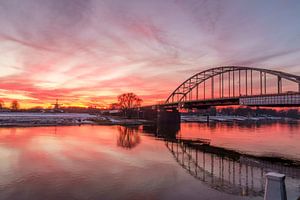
<point>129,100</point>
<point>15,105</point>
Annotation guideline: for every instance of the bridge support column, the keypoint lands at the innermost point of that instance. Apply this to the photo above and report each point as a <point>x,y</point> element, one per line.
<point>168,116</point>
<point>261,84</point>
<point>148,114</point>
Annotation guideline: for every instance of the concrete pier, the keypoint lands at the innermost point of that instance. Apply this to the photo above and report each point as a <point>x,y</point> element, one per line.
<point>275,187</point>
<point>160,115</point>
<point>168,116</point>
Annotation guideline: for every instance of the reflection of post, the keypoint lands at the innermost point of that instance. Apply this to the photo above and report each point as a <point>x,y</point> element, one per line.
<point>247,179</point>
<point>252,177</point>
<point>222,170</point>
<point>240,174</point>
<point>261,178</point>
<point>229,171</point>
<point>203,165</point>
<point>212,164</point>
<point>196,162</point>
<point>189,157</point>
<point>182,155</point>
<point>233,169</point>
<point>177,149</point>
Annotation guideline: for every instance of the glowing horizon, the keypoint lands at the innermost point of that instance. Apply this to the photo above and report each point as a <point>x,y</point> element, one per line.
<point>88,52</point>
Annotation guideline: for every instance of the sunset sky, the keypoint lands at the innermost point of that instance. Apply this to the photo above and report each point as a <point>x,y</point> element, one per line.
<point>86,52</point>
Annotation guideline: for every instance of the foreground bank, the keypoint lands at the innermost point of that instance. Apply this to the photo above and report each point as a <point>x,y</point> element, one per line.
<point>27,119</point>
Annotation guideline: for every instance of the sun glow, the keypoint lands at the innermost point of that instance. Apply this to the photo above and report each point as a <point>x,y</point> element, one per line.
<point>67,54</point>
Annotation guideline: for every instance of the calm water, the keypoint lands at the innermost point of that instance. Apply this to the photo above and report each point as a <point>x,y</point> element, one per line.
<point>113,162</point>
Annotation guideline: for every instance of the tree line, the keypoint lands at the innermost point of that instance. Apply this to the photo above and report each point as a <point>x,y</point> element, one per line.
<point>254,112</point>
<point>14,105</point>
<point>125,102</point>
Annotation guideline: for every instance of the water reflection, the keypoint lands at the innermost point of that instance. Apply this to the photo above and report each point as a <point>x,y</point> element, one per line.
<point>175,162</point>
<point>162,130</point>
<point>222,169</point>
<point>128,137</point>
<point>261,139</point>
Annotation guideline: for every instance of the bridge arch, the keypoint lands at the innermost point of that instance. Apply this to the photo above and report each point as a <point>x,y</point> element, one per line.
<point>184,91</point>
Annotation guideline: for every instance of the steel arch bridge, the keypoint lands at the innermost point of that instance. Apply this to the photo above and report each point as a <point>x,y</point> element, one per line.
<point>236,85</point>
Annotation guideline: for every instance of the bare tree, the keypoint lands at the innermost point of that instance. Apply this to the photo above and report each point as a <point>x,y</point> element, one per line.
<point>15,105</point>
<point>128,101</point>
<point>1,104</point>
<point>114,106</point>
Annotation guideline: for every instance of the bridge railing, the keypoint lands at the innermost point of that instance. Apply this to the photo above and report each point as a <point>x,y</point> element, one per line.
<point>276,99</point>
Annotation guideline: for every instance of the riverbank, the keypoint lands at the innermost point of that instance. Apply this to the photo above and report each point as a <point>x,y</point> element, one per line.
<point>21,119</point>
<point>232,118</point>
<point>244,157</point>
<point>27,119</point>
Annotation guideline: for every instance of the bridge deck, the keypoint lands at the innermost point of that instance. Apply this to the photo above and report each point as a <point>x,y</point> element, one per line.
<point>271,100</point>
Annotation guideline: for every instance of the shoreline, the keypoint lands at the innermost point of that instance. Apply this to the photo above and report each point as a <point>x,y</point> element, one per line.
<point>62,119</point>
<point>70,119</point>
<point>233,118</point>
<point>246,157</point>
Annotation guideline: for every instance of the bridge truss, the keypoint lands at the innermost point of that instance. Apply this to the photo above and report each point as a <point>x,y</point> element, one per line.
<point>234,83</point>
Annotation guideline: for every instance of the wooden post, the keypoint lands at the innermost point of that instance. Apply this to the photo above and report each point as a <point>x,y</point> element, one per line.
<point>275,187</point>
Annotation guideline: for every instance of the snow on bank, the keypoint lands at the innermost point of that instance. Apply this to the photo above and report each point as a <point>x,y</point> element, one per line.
<point>11,119</point>
<point>35,119</point>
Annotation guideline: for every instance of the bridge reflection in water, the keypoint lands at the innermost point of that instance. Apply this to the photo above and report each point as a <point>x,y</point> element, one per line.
<point>224,170</point>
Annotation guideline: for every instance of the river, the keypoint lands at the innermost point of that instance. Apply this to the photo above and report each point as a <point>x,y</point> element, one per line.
<point>193,161</point>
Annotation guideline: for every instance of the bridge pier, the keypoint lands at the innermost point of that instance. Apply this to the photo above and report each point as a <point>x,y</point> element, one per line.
<point>161,115</point>
<point>168,116</point>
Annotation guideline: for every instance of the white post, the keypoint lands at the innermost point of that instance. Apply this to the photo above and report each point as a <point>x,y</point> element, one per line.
<point>275,187</point>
